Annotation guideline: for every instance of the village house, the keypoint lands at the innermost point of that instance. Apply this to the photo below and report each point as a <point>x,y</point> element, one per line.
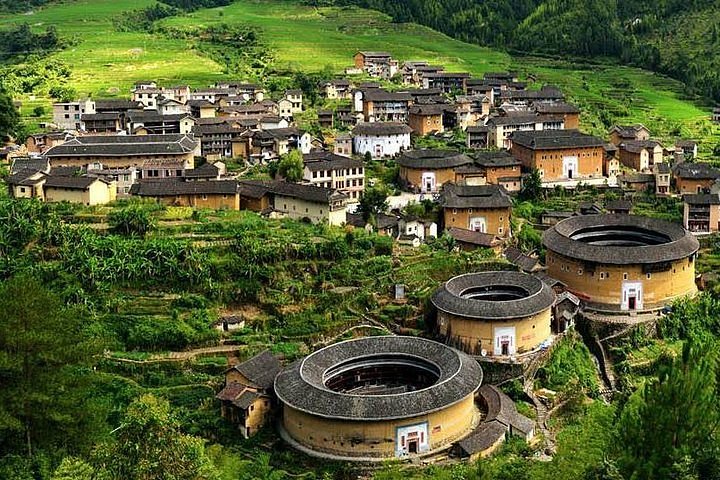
<point>411,227</point>
<point>426,119</point>
<point>494,168</point>
<point>249,91</point>
<point>716,115</point>
<point>124,178</point>
<point>186,193</point>
<point>560,154</point>
<point>110,122</point>
<point>337,90</point>
<point>67,115</point>
<point>40,142</point>
<point>379,105</point>
<point>447,82</point>
<point>481,208</point>
<point>381,139</point>
<point>640,155</point>
<point>26,183</point>
<point>84,190</point>
<point>202,108</point>
<point>701,212</point>
<point>478,86</point>
<point>501,128</point>
<point>219,140</point>
<point>663,178</point>
<point>477,136</point>
<point>689,148</point>
<point>345,174</point>
<point>570,113</point>
<point>471,109</point>
<point>266,145</point>
<point>149,122</point>
<point>343,145</point>
<point>526,97</point>
<point>248,399</point>
<point>637,182</point>
<point>123,151</point>
<point>696,177</point>
<point>469,240</point>
<point>624,133</point>
<point>426,171</point>
<point>326,118</point>
<point>384,225</point>
<point>623,207</point>
<point>412,72</point>
<point>376,64</point>
<point>291,103</point>
<point>295,200</point>
<point>148,96</point>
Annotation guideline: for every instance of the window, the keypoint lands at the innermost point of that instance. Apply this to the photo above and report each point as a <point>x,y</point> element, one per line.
<point>580,271</point>
<point>22,189</point>
<point>454,211</point>
<point>648,276</point>
<point>625,276</point>
<point>602,275</point>
<point>204,197</point>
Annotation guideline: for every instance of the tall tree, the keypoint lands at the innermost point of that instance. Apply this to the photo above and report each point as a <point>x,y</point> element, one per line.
<point>373,202</point>
<point>10,126</point>
<point>44,359</point>
<point>150,445</point>
<point>291,166</point>
<point>669,424</point>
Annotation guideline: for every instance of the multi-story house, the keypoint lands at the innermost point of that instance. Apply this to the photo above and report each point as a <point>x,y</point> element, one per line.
<point>379,105</point>
<point>448,82</point>
<point>67,115</point>
<point>381,139</point>
<point>501,128</point>
<point>325,169</point>
<point>376,64</point>
<point>479,208</point>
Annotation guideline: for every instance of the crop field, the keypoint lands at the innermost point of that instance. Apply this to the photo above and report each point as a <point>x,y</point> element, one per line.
<point>106,62</point>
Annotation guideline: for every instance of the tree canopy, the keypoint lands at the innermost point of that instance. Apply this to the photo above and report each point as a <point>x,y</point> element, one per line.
<point>291,166</point>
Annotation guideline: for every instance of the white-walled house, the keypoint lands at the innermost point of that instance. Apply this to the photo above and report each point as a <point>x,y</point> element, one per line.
<point>381,139</point>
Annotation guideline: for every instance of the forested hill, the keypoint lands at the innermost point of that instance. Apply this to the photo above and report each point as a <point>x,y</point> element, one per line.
<point>676,37</point>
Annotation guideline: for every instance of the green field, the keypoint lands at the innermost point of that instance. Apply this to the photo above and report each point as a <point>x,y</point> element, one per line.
<point>107,62</point>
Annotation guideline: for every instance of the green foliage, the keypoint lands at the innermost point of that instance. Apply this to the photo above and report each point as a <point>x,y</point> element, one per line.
<point>72,468</point>
<point>570,366</point>
<point>19,42</point>
<point>671,423</point>
<point>291,166</point>
<point>9,116</point>
<point>133,220</point>
<point>150,445</point>
<point>373,202</point>
<point>143,20</point>
<point>692,318</point>
<point>44,349</point>
<point>529,239</point>
<point>191,5</point>
<point>532,186</point>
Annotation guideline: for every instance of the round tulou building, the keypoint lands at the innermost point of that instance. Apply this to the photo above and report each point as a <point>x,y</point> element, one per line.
<point>622,263</point>
<point>379,397</point>
<point>494,313</point>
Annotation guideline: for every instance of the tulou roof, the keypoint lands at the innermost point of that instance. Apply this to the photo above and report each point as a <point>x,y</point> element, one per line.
<point>381,128</point>
<point>124,146</point>
<point>565,238</point>
<point>312,193</point>
<point>451,296</point>
<point>433,159</point>
<point>555,139</point>
<point>173,187</point>
<point>475,196</point>
<point>699,170</point>
<point>301,386</point>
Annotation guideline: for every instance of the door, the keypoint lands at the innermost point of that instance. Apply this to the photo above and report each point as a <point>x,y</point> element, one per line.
<point>412,446</point>
<point>504,342</point>
<point>632,296</point>
<point>505,347</point>
<point>428,182</point>
<point>478,224</point>
<point>378,150</point>
<point>412,439</point>
<point>570,167</point>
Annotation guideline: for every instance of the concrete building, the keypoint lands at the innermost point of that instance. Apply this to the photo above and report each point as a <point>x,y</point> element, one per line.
<point>494,313</point>
<point>68,115</point>
<point>346,175</point>
<point>622,263</point>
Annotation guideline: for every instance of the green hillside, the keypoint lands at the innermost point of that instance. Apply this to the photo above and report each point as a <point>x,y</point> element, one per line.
<point>105,61</point>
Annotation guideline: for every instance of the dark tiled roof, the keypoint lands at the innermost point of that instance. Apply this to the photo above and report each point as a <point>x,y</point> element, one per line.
<point>231,391</point>
<point>487,434</point>
<point>301,386</point>
<point>261,369</point>
<point>380,95</point>
<point>523,119</point>
<point>97,117</point>
<point>433,159</point>
<point>473,238</point>
<point>206,170</point>
<point>478,129</point>
<point>320,161</point>
<point>555,107</point>
<point>24,177</point>
<point>555,139</point>
<point>637,146</point>
<point>491,158</point>
<point>124,145</point>
<point>381,128</point>
<point>515,256</point>
<point>366,53</point>
<point>622,205</point>
<point>681,244</point>
<point>73,183</point>
<point>29,163</point>
<point>288,189</point>
<point>636,178</point>
<point>116,105</point>
<point>431,109</point>
<point>172,187</point>
<point>474,196</point>
<point>153,116</point>
<point>663,167</point>
<point>702,199</point>
<point>502,409</point>
<point>449,297</point>
<point>699,170</point>
<point>628,131</point>
<point>246,399</point>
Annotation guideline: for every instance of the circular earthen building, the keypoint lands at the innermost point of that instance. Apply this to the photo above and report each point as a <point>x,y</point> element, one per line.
<point>622,263</point>
<point>379,397</point>
<point>494,313</point>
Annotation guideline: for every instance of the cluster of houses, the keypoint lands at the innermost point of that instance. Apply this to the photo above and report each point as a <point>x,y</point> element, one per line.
<point>172,144</point>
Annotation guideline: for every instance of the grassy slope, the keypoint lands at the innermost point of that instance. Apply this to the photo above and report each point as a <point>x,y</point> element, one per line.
<point>105,61</point>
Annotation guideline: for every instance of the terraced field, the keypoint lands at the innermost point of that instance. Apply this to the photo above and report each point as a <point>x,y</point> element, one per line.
<point>107,62</point>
